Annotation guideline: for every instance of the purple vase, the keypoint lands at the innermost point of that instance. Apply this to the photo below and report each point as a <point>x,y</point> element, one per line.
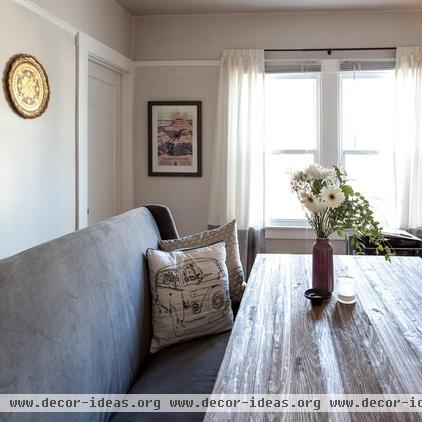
<point>322,265</point>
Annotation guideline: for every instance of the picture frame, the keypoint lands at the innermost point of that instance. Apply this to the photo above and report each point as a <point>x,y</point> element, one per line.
<point>175,138</point>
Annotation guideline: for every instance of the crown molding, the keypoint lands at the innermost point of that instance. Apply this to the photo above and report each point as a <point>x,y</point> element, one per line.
<point>30,5</point>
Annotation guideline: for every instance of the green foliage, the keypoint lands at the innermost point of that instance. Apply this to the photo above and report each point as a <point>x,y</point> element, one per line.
<point>354,214</point>
<point>347,190</point>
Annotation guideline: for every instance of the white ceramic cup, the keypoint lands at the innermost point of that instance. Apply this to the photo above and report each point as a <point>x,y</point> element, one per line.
<point>346,290</point>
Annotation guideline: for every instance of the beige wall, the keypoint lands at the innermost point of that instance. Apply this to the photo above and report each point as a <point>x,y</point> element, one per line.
<point>104,20</point>
<point>186,196</point>
<point>204,37</point>
<point>37,157</point>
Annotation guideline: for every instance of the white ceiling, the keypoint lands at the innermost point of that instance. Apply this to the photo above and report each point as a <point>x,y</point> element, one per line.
<point>163,7</point>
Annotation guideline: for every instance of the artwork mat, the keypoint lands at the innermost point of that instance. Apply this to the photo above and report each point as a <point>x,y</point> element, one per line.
<point>191,110</point>
<point>154,108</point>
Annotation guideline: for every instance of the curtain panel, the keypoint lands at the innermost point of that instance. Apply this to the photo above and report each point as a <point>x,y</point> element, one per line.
<point>237,180</point>
<point>408,138</point>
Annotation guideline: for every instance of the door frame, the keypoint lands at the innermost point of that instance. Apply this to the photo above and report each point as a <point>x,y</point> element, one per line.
<point>88,48</point>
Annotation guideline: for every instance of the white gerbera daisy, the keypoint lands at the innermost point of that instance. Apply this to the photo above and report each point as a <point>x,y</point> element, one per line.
<point>332,196</point>
<point>317,172</point>
<point>312,203</point>
<point>319,206</point>
<point>308,200</point>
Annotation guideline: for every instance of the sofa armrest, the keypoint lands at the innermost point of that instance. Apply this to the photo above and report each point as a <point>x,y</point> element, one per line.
<point>165,222</point>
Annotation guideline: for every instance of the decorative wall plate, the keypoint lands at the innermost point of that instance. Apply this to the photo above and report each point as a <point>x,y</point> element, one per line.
<point>27,86</point>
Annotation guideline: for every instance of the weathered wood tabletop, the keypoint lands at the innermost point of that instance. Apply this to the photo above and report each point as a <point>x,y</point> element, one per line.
<point>280,344</point>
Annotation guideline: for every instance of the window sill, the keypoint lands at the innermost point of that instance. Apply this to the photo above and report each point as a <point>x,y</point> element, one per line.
<point>294,233</point>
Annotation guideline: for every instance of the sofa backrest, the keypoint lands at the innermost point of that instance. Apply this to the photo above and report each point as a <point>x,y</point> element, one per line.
<point>75,312</point>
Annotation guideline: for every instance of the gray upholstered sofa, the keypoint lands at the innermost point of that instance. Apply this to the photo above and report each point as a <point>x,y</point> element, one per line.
<point>75,318</point>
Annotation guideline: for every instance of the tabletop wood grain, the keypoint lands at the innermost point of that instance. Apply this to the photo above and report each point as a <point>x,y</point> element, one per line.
<point>280,344</point>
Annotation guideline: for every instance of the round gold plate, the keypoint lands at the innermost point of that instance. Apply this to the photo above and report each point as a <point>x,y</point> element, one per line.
<point>27,86</point>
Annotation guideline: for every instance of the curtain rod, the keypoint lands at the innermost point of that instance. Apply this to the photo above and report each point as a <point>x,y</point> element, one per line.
<point>330,50</point>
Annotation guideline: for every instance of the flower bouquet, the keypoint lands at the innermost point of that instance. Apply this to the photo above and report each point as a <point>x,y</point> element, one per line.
<point>332,206</point>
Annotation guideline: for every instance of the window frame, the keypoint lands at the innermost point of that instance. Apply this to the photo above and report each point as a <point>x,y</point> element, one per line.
<point>354,151</point>
<point>329,134</point>
<point>289,222</point>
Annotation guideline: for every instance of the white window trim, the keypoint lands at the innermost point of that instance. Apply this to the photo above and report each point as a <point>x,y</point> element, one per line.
<point>295,233</point>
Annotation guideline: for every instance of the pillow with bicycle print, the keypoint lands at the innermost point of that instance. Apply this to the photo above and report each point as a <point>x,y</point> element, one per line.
<point>190,294</point>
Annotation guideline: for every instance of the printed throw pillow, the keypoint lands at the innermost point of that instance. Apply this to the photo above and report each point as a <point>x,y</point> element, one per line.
<point>190,294</point>
<point>228,234</point>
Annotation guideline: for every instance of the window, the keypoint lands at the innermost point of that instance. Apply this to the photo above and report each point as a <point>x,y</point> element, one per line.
<point>292,139</point>
<point>367,128</point>
<point>340,115</point>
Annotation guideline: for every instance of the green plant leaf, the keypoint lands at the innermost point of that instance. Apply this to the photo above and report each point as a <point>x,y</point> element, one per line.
<point>347,190</point>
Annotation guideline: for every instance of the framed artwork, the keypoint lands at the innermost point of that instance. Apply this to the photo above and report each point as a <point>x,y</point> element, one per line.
<point>174,138</point>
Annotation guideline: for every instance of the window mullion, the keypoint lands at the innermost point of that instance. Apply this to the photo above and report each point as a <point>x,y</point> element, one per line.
<point>329,146</point>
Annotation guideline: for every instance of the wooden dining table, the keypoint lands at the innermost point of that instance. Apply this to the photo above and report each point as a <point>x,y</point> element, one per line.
<point>281,344</point>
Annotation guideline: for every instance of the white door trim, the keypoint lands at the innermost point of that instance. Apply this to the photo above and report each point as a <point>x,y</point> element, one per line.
<point>88,48</point>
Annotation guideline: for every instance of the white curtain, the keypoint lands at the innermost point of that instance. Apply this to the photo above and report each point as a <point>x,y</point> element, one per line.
<point>237,183</point>
<point>408,136</point>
